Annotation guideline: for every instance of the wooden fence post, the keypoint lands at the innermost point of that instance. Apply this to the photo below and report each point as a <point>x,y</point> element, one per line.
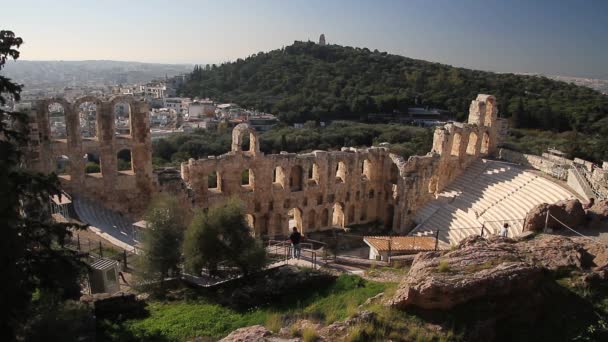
<point>100,250</point>
<point>437,240</point>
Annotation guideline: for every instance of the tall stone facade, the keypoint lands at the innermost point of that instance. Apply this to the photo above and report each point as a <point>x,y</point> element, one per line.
<point>313,191</point>
<point>127,190</point>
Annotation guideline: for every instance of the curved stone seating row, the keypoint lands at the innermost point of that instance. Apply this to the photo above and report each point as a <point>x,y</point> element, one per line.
<point>487,195</point>
<point>106,220</point>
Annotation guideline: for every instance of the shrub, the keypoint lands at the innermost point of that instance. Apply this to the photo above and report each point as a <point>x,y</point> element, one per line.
<point>443,266</point>
<point>309,335</point>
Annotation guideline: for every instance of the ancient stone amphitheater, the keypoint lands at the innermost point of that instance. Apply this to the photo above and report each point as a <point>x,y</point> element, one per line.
<point>453,191</point>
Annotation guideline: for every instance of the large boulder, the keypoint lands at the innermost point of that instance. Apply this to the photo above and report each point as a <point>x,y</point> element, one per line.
<point>486,268</point>
<point>570,212</point>
<point>478,268</point>
<point>255,333</point>
<point>597,215</point>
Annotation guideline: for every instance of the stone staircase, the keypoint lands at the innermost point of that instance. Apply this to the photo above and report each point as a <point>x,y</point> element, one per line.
<point>487,194</point>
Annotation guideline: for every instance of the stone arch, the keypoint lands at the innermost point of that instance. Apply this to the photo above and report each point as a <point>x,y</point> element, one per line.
<point>313,174</point>
<point>56,111</point>
<point>325,218</point>
<point>490,110</point>
<point>456,142</point>
<point>366,169</point>
<point>124,161</point>
<point>472,144</point>
<point>88,108</point>
<point>341,172</point>
<point>92,164</point>
<point>338,215</point>
<point>248,179</point>
<point>122,108</point>
<point>296,176</point>
<point>237,138</point>
<point>214,181</point>
<point>295,219</point>
<point>278,176</point>
<point>485,143</point>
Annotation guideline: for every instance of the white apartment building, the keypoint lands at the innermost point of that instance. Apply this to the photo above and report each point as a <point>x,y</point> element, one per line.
<point>200,109</point>
<point>178,104</point>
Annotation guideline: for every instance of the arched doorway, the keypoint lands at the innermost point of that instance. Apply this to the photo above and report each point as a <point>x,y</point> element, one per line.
<point>325,218</point>
<point>295,178</point>
<point>57,121</point>
<point>340,172</point>
<point>456,144</point>
<point>485,143</point>
<point>390,212</point>
<point>123,161</point>
<point>295,219</point>
<point>87,116</point>
<point>472,145</point>
<point>122,118</point>
<point>338,215</point>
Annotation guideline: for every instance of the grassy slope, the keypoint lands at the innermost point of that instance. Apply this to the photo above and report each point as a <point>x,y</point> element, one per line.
<point>179,320</point>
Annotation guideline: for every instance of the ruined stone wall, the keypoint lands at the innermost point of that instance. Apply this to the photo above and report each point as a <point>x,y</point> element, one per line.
<point>127,191</point>
<point>321,189</point>
<point>324,189</point>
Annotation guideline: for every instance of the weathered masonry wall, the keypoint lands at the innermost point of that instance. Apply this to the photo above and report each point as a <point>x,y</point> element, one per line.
<point>65,144</point>
<point>313,191</point>
<point>322,189</point>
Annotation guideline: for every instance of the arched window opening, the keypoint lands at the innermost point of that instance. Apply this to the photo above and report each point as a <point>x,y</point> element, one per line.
<point>485,143</point>
<point>487,121</point>
<point>366,170</point>
<point>295,178</point>
<point>370,194</point>
<point>92,164</point>
<point>313,174</point>
<point>123,160</point>
<point>278,177</point>
<point>122,118</point>
<point>394,174</point>
<point>295,219</point>
<point>87,116</point>
<point>248,178</point>
<point>340,172</point>
<point>277,222</point>
<point>214,181</point>
<point>325,218</point>
<point>456,145</point>
<point>472,145</point>
<point>338,215</point>
<point>57,121</point>
<point>246,143</point>
<point>62,167</point>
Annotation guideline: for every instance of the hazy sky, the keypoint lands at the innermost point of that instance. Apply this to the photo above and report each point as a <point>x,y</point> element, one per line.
<point>547,36</point>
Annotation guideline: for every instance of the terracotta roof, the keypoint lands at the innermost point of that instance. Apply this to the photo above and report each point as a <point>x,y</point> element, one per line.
<point>401,243</point>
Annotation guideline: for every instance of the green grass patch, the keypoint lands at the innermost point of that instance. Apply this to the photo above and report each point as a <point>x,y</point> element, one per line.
<point>184,319</point>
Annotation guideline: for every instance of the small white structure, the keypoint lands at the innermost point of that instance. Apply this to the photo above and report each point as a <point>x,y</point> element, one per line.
<point>103,276</point>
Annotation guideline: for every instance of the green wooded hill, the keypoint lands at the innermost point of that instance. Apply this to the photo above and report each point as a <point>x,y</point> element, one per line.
<point>306,81</point>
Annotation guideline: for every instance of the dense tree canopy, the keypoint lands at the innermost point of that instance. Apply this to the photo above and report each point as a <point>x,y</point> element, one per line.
<point>404,140</point>
<point>37,273</point>
<point>306,81</point>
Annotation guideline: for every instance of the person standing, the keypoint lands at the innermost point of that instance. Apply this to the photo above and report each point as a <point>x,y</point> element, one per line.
<point>295,239</point>
<point>504,231</point>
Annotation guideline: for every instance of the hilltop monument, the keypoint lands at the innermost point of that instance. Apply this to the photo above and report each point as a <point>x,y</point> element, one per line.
<point>322,39</point>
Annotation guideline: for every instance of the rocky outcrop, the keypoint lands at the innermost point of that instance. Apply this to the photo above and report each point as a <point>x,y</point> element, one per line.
<point>570,212</point>
<point>486,268</point>
<point>598,214</point>
<point>255,333</point>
